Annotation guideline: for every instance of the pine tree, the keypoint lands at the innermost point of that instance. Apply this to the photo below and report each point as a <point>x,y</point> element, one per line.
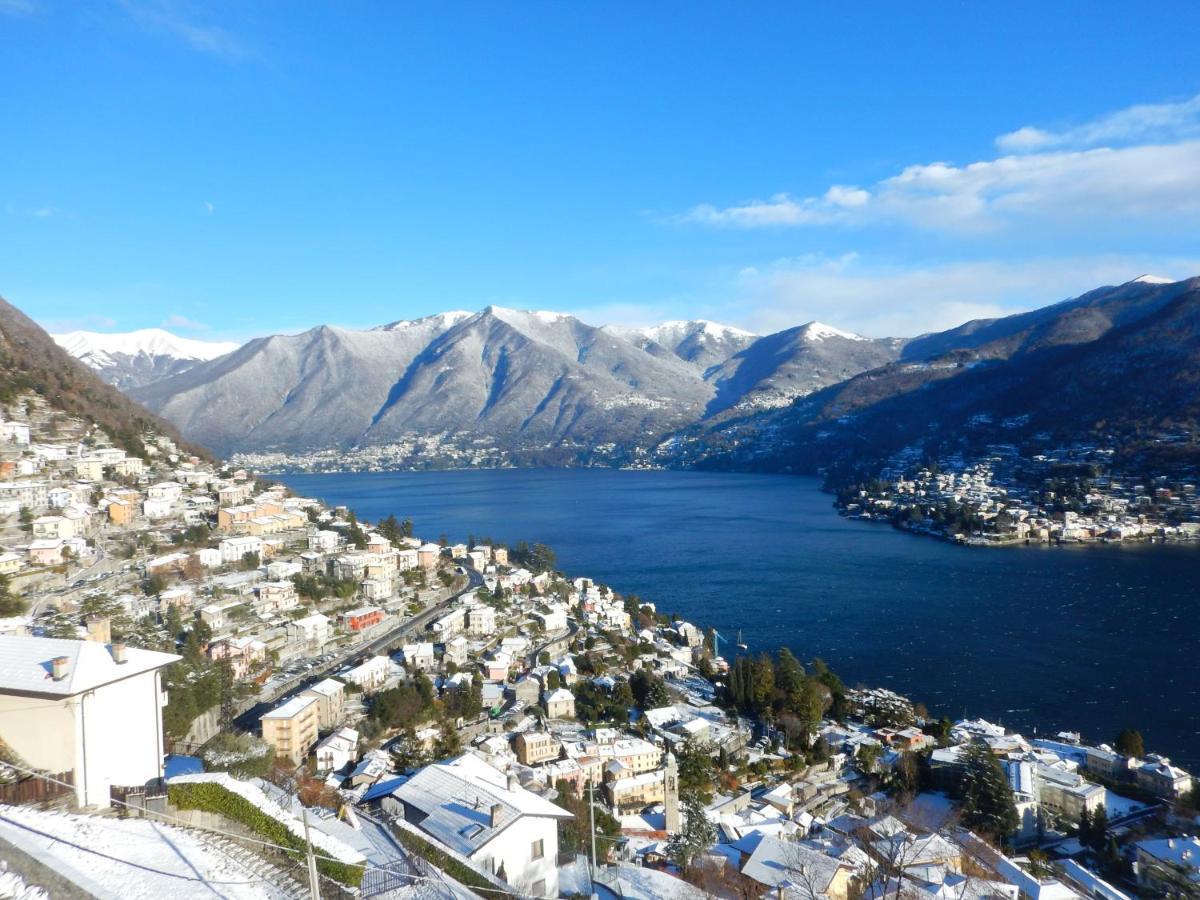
<point>1129,743</point>
<point>987,797</point>
<point>696,835</point>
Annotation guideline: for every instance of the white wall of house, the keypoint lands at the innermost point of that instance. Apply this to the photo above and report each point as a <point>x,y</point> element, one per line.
<point>111,735</point>
<point>513,847</point>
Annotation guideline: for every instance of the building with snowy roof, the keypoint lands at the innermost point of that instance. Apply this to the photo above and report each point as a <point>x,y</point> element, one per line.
<point>478,812</point>
<point>89,710</point>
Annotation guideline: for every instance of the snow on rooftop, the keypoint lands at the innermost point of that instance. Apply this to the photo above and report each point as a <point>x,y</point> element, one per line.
<point>26,665</point>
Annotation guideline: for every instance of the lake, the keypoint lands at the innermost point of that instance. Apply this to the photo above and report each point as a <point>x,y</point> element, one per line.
<point>1091,639</point>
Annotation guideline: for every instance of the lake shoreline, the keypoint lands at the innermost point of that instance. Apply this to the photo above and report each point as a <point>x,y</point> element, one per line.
<point>1011,637</point>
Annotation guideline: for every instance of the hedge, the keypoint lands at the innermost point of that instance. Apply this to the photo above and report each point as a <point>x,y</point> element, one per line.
<point>213,798</point>
<point>461,873</point>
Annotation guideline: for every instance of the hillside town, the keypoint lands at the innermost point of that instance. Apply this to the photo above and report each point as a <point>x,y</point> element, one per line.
<point>299,703</point>
<point>1064,495</point>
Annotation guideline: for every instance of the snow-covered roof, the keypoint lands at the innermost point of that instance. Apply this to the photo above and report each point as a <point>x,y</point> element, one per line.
<point>458,796</point>
<point>775,862</point>
<point>291,708</point>
<point>26,665</point>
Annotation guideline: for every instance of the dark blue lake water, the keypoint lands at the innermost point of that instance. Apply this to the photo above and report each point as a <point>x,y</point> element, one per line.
<point>1088,638</point>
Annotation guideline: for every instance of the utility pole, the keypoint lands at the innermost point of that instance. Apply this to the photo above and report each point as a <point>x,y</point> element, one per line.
<point>314,886</point>
<point>592,827</point>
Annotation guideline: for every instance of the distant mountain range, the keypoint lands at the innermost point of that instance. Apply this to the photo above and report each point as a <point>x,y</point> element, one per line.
<point>532,382</point>
<point>138,358</point>
<point>30,361</point>
<point>1118,366</point>
<point>546,387</point>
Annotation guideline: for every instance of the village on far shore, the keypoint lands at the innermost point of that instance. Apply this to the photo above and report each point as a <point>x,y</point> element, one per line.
<point>301,703</point>
<point>1076,494</point>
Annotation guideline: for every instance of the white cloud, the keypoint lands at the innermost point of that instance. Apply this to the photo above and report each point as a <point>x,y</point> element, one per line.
<point>174,18</point>
<point>184,323</point>
<point>209,207</point>
<point>1144,123</point>
<point>781,209</point>
<point>1107,174</point>
<point>881,300</point>
<point>1158,185</point>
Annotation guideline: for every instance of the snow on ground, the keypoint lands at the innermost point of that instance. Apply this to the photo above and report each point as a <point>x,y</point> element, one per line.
<point>13,886</point>
<point>930,810</point>
<point>131,859</point>
<point>255,795</point>
<point>1116,806</point>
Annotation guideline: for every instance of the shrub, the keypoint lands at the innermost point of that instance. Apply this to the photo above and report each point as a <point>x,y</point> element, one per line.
<point>216,799</point>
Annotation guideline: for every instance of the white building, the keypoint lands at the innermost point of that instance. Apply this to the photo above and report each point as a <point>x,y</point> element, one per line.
<point>234,548</point>
<point>84,708</point>
<point>330,695</point>
<point>337,751</point>
<point>371,675</point>
<point>479,812</point>
<point>481,621</point>
<point>311,631</point>
<point>14,432</point>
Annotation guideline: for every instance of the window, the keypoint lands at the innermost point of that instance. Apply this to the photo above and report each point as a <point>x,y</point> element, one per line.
<point>537,850</point>
<point>539,888</point>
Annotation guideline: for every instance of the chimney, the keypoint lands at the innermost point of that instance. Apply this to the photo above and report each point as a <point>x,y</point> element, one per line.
<point>59,667</point>
<point>99,629</point>
<point>118,652</point>
<point>513,781</point>
<point>497,814</point>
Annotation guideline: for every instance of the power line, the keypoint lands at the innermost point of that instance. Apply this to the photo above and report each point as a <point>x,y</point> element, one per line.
<point>289,851</point>
<point>116,859</point>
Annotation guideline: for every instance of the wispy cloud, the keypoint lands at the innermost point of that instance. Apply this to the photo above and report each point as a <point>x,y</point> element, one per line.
<point>178,20</point>
<point>17,7</point>
<point>882,299</point>
<point>184,323</point>
<point>209,207</point>
<point>1069,178</point>
<point>1144,123</point>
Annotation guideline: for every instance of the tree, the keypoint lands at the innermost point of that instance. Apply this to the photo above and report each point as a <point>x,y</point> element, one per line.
<point>448,743</point>
<point>695,765</point>
<point>987,797</point>
<point>649,692</point>
<point>1129,743</point>
<point>696,835</point>
<point>10,603</point>
<point>574,834</point>
<point>408,752</point>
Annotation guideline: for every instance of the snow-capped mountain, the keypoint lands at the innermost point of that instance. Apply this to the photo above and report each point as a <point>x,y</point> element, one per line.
<point>131,359</point>
<point>776,369</point>
<point>702,343</point>
<point>514,378</point>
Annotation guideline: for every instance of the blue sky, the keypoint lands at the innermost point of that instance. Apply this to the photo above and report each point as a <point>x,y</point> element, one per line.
<point>268,165</point>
